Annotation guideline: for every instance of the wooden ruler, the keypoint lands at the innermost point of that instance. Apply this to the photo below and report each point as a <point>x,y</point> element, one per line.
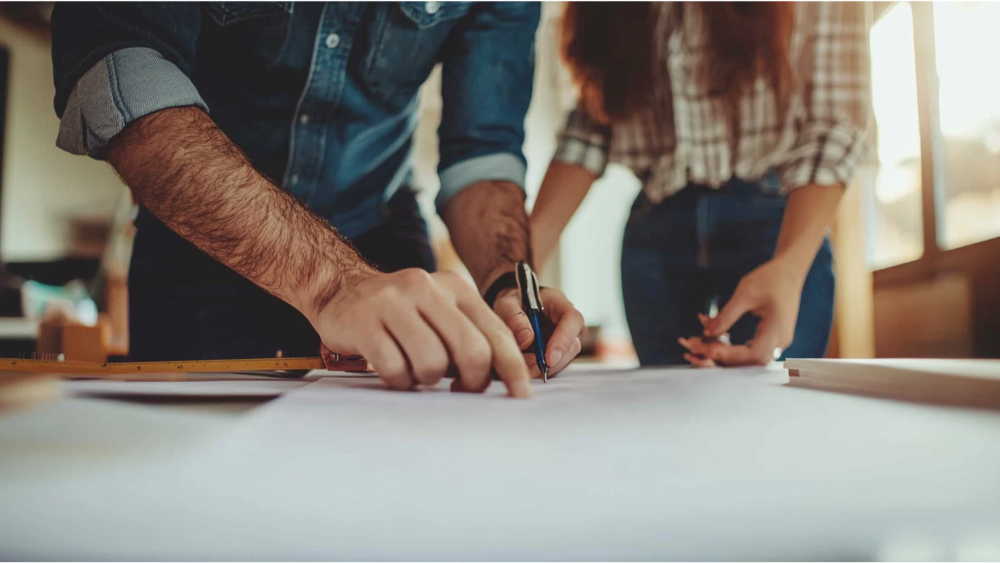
<point>175,370</point>
<point>155,370</point>
<point>197,366</point>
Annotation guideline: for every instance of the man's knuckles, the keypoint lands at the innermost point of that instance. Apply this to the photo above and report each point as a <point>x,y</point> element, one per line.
<point>455,285</point>
<point>393,370</point>
<point>414,278</point>
<point>430,368</point>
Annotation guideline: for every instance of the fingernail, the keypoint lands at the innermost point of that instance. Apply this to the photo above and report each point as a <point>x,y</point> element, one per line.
<point>525,335</point>
<point>555,356</point>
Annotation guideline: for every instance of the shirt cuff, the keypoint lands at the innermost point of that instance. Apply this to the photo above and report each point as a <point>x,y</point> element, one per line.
<point>122,87</point>
<point>827,158</point>
<point>502,167</point>
<point>582,152</point>
<point>584,142</point>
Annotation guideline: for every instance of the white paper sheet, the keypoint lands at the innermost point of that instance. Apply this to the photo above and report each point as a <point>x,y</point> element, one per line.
<point>649,464</point>
<point>78,436</point>
<point>250,388</point>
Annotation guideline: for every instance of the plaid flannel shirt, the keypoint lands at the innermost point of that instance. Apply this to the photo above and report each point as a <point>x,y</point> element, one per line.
<point>683,137</point>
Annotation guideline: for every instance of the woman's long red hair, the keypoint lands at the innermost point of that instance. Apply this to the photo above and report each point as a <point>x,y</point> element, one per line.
<point>610,48</point>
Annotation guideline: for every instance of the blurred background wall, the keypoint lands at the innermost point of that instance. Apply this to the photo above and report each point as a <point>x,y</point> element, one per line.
<point>44,188</point>
<point>918,253</point>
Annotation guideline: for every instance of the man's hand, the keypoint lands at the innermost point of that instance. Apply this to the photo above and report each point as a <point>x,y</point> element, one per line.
<point>412,327</point>
<point>772,292</point>
<point>489,229</point>
<point>563,326</point>
<point>415,328</point>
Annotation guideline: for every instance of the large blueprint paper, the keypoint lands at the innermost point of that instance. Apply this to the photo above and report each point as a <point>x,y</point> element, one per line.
<point>651,464</point>
<point>193,389</point>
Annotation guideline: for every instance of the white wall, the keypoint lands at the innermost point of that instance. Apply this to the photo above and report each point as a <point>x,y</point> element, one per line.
<point>42,186</point>
<point>590,252</point>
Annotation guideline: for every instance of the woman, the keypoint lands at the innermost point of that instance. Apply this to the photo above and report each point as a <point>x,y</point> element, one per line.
<point>744,122</point>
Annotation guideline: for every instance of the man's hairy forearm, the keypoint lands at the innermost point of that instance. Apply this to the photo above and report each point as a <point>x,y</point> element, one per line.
<point>185,170</point>
<point>489,229</point>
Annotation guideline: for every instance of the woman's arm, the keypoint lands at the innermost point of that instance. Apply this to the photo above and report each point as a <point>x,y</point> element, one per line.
<point>772,290</point>
<point>563,189</point>
<point>808,213</point>
<point>834,138</point>
<point>580,158</point>
<point>830,143</point>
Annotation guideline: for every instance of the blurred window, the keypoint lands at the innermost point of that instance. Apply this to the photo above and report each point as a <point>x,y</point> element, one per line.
<point>967,49</point>
<point>896,228</point>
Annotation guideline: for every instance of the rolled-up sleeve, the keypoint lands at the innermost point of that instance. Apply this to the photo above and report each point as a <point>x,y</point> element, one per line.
<point>115,63</point>
<point>835,134</point>
<point>584,142</point>
<point>488,73</point>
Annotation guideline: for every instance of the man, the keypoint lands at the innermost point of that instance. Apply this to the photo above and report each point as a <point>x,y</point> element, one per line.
<point>312,110</point>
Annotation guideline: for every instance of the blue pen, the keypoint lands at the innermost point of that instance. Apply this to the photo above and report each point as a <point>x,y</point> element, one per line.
<point>531,302</point>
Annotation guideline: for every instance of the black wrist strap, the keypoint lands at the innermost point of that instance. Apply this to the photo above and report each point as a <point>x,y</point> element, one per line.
<point>505,281</point>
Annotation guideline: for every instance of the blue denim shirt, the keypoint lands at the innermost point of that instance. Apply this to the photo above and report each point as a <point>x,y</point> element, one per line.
<point>322,97</point>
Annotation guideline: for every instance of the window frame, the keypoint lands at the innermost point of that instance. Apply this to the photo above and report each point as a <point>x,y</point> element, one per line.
<point>935,258</point>
<point>979,262</point>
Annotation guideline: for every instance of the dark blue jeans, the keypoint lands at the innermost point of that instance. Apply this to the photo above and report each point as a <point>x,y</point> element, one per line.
<point>692,249</point>
<point>184,305</point>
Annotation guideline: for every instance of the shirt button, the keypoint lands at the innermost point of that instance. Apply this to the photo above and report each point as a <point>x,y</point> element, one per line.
<point>432,7</point>
<point>304,118</point>
<point>332,41</point>
<point>294,179</point>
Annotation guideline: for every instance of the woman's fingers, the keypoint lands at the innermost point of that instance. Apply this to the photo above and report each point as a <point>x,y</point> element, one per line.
<point>699,362</point>
<point>737,306</point>
<point>758,352</point>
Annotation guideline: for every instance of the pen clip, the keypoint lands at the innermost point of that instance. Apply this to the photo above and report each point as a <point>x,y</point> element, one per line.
<point>527,283</point>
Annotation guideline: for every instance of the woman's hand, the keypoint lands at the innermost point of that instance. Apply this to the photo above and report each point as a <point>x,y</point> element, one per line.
<point>771,292</point>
